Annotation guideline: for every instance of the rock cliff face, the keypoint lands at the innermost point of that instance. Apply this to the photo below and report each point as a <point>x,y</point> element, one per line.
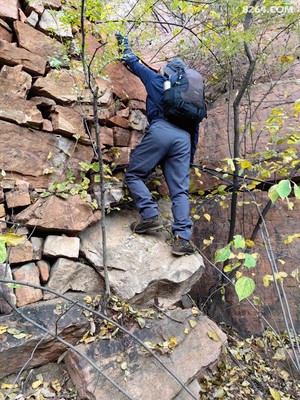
<point>46,140</point>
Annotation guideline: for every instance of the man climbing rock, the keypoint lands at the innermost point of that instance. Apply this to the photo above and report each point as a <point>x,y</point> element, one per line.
<point>166,144</point>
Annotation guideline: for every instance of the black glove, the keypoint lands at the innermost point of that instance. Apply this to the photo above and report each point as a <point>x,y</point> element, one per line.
<point>122,41</point>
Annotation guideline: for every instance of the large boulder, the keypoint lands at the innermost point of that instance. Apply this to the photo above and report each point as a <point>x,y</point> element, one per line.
<point>25,338</point>
<point>141,267</point>
<point>185,351</point>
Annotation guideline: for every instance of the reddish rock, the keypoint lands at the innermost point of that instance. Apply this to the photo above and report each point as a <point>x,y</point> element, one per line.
<point>2,210</point>
<point>5,32</point>
<point>12,55</point>
<point>120,155</point>
<point>55,214</point>
<point>37,42</point>
<point>18,197</point>
<point>124,84</point>
<point>68,122</point>
<point>21,253</point>
<point>123,113</point>
<point>118,121</point>
<point>44,268</point>
<point>14,82</point>
<point>63,86</point>
<point>121,137</point>
<point>21,111</point>
<point>9,9</point>
<point>28,273</point>
<point>137,105</point>
<point>106,136</point>
<point>35,161</point>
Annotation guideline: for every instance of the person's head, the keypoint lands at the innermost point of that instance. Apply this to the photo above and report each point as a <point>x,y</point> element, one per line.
<point>173,66</point>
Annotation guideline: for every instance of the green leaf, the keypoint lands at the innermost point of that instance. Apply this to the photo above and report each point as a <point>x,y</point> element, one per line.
<point>3,252</point>
<point>272,193</point>
<point>244,287</point>
<point>250,261</point>
<point>239,242</point>
<point>45,194</point>
<point>284,188</point>
<point>223,254</point>
<point>296,191</point>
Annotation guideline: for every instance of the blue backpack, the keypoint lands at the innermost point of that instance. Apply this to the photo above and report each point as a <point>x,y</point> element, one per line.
<point>184,99</point>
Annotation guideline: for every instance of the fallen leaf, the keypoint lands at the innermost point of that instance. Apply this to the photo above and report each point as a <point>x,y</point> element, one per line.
<point>195,311</point>
<point>192,323</point>
<point>213,335</point>
<point>124,365</point>
<point>141,322</point>
<point>172,342</point>
<point>3,329</point>
<point>275,394</point>
<point>36,384</point>
<point>56,385</point>
<point>279,355</point>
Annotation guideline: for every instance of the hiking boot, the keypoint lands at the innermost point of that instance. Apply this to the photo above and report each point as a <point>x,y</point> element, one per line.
<point>146,225</point>
<point>182,247</point>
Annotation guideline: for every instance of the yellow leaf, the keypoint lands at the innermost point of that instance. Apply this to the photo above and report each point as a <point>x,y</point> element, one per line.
<point>150,345</point>
<point>213,335</point>
<point>88,299</point>
<point>90,339</point>
<point>192,323</point>
<point>245,164</point>
<point>267,279</point>
<point>13,331</point>
<point>12,239</point>
<point>297,105</point>
<point>124,365</point>
<point>280,355</point>
<point>6,386</point>
<point>238,275</point>
<point>3,329</point>
<point>56,385</point>
<point>275,394</point>
<point>207,216</point>
<point>186,330</point>
<point>196,216</point>
<point>172,342</point>
<point>36,384</point>
<point>195,311</point>
<point>291,238</point>
<point>284,59</point>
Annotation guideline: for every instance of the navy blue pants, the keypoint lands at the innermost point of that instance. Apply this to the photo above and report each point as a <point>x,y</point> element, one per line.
<point>169,146</point>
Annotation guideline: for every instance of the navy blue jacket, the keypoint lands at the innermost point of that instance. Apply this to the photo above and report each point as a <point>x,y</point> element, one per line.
<point>154,83</point>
